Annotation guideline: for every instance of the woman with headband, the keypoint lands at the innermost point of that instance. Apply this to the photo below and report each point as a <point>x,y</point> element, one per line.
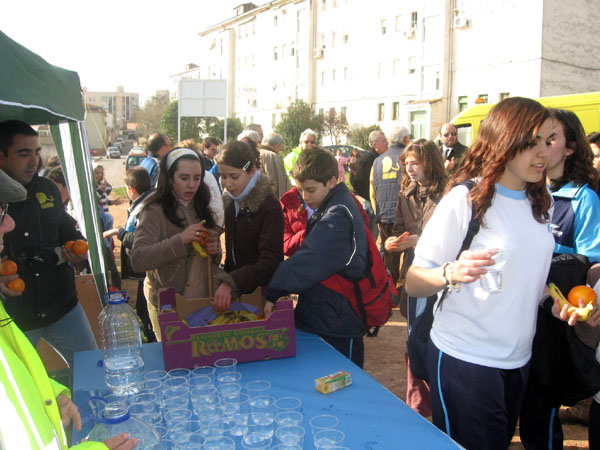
<point>253,224</point>
<point>175,216</point>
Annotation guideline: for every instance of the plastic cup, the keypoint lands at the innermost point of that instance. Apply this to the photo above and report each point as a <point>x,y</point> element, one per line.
<point>201,380</point>
<point>229,389</point>
<point>322,422</point>
<point>225,365</point>
<point>262,414</point>
<point>173,416</point>
<point>194,442</point>
<point>236,411</point>
<point>208,371</point>
<point>229,377</point>
<point>492,280</point>
<point>256,441</point>
<point>286,447</point>
<point>219,443</point>
<point>179,372</point>
<point>161,430</point>
<point>144,397</point>
<point>159,375</point>
<point>288,404</point>
<point>288,418</point>
<point>290,435</point>
<point>140,408</point>
<point>258,387</point>
<point>211,421</point>
<point>330,437</point>
<point>175,382</point>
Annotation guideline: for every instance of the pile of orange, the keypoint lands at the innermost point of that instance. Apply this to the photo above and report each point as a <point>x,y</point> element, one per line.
<point>583,293</point>
<point>8,268</point>
<point>79,247</point>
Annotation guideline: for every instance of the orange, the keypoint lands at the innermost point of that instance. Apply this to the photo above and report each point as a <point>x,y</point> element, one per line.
<point>80,247</point>
<point>68,244</point>
<point>582,292</point>
<point>8,268</point>
<point>17,285</point>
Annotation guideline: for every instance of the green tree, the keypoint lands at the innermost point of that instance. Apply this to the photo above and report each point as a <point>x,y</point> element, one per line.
<point>191,127</point>
<point>299,117</point>
<point>335,125</point>
<point>359,136</point>
<point>234,128</point>
<point>148,117</point>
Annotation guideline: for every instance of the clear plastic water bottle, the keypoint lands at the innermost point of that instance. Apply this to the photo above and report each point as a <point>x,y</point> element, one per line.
<point>121,345</point>
<point>116,419</point>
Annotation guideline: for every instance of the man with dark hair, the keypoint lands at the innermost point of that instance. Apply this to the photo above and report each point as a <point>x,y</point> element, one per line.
<point>210,146</point>
<point>158,146</point>
<point>48,307</point>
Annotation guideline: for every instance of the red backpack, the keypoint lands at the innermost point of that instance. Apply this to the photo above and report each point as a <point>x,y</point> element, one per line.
<point>371,296</point>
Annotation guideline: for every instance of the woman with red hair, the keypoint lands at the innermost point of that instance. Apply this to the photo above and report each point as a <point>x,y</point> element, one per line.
<point>482,334</point>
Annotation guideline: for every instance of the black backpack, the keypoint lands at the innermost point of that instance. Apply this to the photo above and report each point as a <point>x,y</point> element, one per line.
<point>418,339</point>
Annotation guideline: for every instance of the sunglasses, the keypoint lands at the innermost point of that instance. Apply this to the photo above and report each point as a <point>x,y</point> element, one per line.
<point>4,210</point>
<point>452,133</point>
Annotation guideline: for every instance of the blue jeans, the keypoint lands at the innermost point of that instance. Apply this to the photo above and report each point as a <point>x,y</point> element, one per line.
<point>71,333</point>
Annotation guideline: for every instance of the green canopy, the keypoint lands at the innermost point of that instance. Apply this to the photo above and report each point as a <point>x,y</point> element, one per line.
<point>37,92</point>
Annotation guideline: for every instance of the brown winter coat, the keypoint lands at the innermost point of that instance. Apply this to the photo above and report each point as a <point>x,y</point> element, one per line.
<point>159,251</point>
<point>253,239</point>
<point>414,209</point>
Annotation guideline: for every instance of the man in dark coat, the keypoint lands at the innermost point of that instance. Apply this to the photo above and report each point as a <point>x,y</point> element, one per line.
<point>452,150</point>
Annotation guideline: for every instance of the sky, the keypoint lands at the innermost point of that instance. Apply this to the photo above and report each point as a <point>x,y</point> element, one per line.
<point>136,44</point>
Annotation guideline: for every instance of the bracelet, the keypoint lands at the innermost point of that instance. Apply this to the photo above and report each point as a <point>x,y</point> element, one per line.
<point>450,284</point>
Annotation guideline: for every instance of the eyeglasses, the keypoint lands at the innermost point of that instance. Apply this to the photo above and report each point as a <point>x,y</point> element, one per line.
<point>452,133</point>
<point>412,164</point>
<point>4,210</point>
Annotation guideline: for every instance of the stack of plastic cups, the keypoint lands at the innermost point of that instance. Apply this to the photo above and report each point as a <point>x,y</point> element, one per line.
<point>324,433</point>
<point>289,431</point>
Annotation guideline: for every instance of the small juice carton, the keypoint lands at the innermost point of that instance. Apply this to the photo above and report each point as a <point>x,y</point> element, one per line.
<point>333,382</point>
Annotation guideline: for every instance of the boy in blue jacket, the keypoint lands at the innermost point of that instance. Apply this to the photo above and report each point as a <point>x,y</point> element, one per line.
<point>335,243</point>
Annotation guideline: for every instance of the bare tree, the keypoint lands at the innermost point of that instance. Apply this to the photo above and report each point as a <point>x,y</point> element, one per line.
<point>335,125</point>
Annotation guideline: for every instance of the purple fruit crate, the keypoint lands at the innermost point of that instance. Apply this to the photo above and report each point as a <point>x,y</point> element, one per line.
<point>186,346</point>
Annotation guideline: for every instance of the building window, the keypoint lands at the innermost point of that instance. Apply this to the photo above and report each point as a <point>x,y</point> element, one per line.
<point>418,124</point>
<point>283,51</point>
<point>322,78</point>
<point>395,110</point>
<point>380,69</point>
<point>398,23</point>
<point>292,51</point>
<point>383,26</point>
<point>412,61</point>
<point>437,80</point>
<point>462,103</point>
<point>396,66</point>
<point>275,53</point>
<point>344,109</point>
<point>332,39</point>
<point>503,95</point>
<point>481,98</point>
<point>414,19</point>
<point>380,111</point>
<point>298,22</point>
<point>346,38</point>
<point>345,73</point>
<point>333,75</point>
<point>275,21</point>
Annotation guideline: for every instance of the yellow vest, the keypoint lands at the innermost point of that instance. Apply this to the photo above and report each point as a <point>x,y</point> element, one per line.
<point>28,395</point>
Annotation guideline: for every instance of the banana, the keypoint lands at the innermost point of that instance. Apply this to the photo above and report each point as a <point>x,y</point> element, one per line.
<point>233,317</point>
<point>582,313</point>
<point>199,249</point>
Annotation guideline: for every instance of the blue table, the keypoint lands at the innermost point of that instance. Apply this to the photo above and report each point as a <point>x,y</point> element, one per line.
<point>370,415</point>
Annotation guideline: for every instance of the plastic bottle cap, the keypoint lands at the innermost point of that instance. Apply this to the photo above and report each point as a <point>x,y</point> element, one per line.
<point>116,297</point>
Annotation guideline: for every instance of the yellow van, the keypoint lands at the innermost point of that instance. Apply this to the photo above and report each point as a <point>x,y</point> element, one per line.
<point>586,106</point>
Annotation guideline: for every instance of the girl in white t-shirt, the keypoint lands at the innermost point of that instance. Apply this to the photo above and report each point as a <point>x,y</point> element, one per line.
<point>482,333</point>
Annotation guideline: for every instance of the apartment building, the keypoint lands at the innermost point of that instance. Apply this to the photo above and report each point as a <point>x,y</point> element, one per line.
<point>412,62</point>
<point>119,105</point>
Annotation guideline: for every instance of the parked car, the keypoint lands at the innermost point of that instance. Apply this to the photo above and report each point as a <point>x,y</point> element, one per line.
<point>113,152</point>
<point>135,157</point>
<point>346,149</point>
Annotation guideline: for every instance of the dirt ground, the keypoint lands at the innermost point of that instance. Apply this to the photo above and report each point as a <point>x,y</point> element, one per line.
<point>384,354</point>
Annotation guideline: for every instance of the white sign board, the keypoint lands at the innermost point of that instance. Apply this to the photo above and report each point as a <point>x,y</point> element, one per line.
<point>202,98</point>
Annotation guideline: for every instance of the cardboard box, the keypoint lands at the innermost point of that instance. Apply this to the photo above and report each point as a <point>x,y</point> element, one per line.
<point>185,346</point>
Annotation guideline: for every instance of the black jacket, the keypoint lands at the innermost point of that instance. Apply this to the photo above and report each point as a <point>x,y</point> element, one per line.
<point>361,181</point>
<point>42,226</point>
